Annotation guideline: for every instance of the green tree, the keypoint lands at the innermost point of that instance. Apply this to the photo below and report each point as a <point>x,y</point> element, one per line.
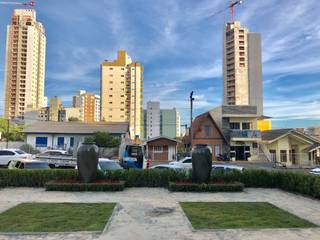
<point>15,131</point>
<point>103,139</point>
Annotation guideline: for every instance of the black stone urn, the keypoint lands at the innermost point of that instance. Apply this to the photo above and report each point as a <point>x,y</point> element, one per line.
<point>201,164</point>
<point>87,162</point>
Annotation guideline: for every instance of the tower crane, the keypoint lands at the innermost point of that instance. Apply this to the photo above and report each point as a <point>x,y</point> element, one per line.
<point>28,4</point>
<point>231,8</point>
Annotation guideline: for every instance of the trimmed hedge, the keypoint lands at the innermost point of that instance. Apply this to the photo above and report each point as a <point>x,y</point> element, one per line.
<point>36,178</point>
<point>78,187</point>
<point>211,187</point>
<point>302,183</point>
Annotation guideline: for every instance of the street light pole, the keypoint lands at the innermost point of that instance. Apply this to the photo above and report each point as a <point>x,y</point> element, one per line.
<point>191,119</point>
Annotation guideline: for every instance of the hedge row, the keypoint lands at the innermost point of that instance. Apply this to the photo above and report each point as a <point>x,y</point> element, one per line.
<point>191,187</point>
<point>35,178</point>
<point>303,183</point>
<point>78,187</point>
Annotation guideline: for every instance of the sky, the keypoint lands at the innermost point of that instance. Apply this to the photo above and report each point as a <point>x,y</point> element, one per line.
<point>181,50</point>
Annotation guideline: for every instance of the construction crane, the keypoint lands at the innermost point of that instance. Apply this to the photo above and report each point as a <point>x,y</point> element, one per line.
<point>27,4</point>
<point>230,7</point>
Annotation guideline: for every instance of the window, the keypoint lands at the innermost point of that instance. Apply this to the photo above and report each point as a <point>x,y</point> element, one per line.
<point>217,150</point>
<point>283,155</point>
<point>71,141</point>
<point>207,130</point>
<point>273,154</point>
<point>158,149</point>
<point>234,125</point>
<point>6,153</point>
<point>60,141</point>
<point>246,126</point>
<point>41,141</point>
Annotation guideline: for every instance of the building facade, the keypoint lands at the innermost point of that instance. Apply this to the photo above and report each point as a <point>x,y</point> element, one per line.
<point>152,128</point>
<point>90,105</point>
<point>54,109</point>
<point>25,64</point>
<point>70,114</point>
<point>170,123</point>
<point>242,67</point>
<point>121,92</point>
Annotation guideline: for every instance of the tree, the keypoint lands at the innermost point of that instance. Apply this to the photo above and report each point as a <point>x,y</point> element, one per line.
<point>15,131</point>
<point>103,139</point>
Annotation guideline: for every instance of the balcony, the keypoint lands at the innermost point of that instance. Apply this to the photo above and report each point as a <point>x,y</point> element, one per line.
<point>245,135</point>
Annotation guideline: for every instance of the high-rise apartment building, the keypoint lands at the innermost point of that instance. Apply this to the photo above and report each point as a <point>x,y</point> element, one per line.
<point>55,107</point>
<point>161,122</point>
<point>25,64</point>
<point>121,92</point>
<point>90,104</point>
<point>242,67</point>
<point>153,120</point>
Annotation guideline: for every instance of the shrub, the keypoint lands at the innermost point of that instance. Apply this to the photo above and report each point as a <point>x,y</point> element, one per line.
<point>211,187</point>
<point>77,187</point>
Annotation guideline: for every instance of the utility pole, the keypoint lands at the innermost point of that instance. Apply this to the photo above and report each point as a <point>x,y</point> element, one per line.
<point>191,118</point>
<point>8,129</point>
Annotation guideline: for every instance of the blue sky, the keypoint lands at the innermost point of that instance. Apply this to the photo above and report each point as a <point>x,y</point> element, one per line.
<point>181,50</point>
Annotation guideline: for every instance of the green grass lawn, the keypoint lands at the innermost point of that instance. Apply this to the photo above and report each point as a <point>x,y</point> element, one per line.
<point>56,217</point>
<point>226,215</point>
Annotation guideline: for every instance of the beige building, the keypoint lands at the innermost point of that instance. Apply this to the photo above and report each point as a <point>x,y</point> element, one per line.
<point>242,67</point>
<point>69,114</point>
<point>121,92</point>
<point>55,107</point>
<point>90,105</point>
<point>25,64</point>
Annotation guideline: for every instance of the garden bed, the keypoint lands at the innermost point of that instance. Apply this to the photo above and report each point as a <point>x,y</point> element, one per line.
<point>73,185</point>
<point>229,215</point>
<point>220,186</point>
<point>56,217</point>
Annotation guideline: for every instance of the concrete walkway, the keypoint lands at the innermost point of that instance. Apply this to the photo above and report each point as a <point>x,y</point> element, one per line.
<point>154,213</point>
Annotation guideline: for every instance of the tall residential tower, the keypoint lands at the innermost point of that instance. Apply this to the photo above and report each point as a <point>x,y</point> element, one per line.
<point>121,92</point>
<point>242,67</point>
<point>25,64</point>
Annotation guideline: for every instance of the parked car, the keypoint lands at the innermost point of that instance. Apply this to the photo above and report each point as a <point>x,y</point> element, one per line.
<point>28,164</point>
<point>167,166</point>
<point>107,164</point>
<point>53,153</point>
<point>315,171</point>
<point>7,155</point>
<point>183,163</point>
<point>227,167</point>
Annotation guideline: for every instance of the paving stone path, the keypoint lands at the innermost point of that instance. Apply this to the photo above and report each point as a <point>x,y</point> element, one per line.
<point>145,213</point>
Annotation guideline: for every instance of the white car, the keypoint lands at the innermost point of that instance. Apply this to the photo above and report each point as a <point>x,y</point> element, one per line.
<point>107,164</point>
<point>227,167</point>
<point>183,163</point>
<point>28,164</point>
<point>53,153</point>
<point>7,155</point>
<point>315,171</point>
<point>167,166</point>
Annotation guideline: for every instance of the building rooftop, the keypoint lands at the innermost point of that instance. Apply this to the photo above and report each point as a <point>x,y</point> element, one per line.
<point>274,134</point>
<point>76,128</point>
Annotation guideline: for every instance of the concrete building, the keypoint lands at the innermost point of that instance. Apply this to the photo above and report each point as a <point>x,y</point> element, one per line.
<point>25,64</point>
<point>90,105</point>
<point>70,114</point>
<point>55,107</point>
<point>242,67</point>
<point>121,92</point>
<point>66,135</point>
<point>152,128</point>
<point>170,123</point>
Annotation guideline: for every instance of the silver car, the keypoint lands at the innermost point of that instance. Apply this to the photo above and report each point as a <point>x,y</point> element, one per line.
<point>7,155</point>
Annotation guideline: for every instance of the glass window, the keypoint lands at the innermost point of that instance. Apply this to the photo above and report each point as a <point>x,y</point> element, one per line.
<point>207,130</point>
<point>234,125</point>
<point>71,141</point>
<point>20,152</point>
<point>217,150</point>
<point>41,141</point>
<point>283,155</point>
<point>158,149</point>
<point>246,126</point>
<point>60,141</point>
